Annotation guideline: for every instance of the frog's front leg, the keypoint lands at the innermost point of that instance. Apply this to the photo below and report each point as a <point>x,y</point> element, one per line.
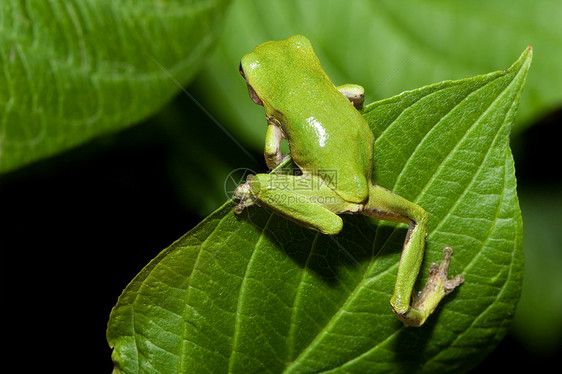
<point>354,93</point>
<point>272,152</point>
<point>385,205</point>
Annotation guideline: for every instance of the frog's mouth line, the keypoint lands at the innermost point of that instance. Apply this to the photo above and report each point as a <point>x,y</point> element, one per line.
<point>255,98</point>
<point>253,95</point>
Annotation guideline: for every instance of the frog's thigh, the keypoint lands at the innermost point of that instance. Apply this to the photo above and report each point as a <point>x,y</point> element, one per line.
<point>386,205</point>
<point>298,199</point>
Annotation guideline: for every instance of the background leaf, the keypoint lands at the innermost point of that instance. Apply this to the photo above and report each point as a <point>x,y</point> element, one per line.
<point>537,320</point>
<point>75,70</point>
<point>389,46</point>
<point>256,292</point>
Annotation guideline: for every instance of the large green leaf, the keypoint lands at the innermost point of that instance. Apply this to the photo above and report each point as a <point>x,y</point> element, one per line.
<point>389,46</point>
<point>256,293</point>
<point>71,70</point>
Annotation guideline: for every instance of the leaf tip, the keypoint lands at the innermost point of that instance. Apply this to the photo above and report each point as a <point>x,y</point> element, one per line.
<point>529,51</point>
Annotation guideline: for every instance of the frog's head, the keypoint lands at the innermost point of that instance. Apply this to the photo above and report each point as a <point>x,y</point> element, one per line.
<point>275,67</point>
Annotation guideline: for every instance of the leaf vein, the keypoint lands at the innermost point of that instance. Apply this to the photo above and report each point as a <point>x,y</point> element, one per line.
<point>241,292</point>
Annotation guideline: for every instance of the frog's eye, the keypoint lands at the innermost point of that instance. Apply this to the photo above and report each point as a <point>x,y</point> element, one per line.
<point>241,71</point>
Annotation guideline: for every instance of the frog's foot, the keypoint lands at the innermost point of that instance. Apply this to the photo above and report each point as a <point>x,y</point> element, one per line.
<point>435,289</point>
<point>244,194</point>
<point>438,276</point>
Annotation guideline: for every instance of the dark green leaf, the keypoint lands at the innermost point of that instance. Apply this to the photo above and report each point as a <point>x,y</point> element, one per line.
<point>256,293</point>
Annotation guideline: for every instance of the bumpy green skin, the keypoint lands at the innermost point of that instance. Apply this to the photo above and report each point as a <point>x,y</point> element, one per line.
<point>322,127</point>
<point>333,146</point>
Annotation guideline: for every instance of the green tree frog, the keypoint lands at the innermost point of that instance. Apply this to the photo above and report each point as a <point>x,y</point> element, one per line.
<point>332,145</point>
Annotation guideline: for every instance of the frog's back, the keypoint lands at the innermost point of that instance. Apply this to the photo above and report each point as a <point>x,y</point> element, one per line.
<point>335,141</point>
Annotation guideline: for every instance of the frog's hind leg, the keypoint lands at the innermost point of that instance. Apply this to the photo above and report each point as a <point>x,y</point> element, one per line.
<point>304,200</point>
<point>384,204</point>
